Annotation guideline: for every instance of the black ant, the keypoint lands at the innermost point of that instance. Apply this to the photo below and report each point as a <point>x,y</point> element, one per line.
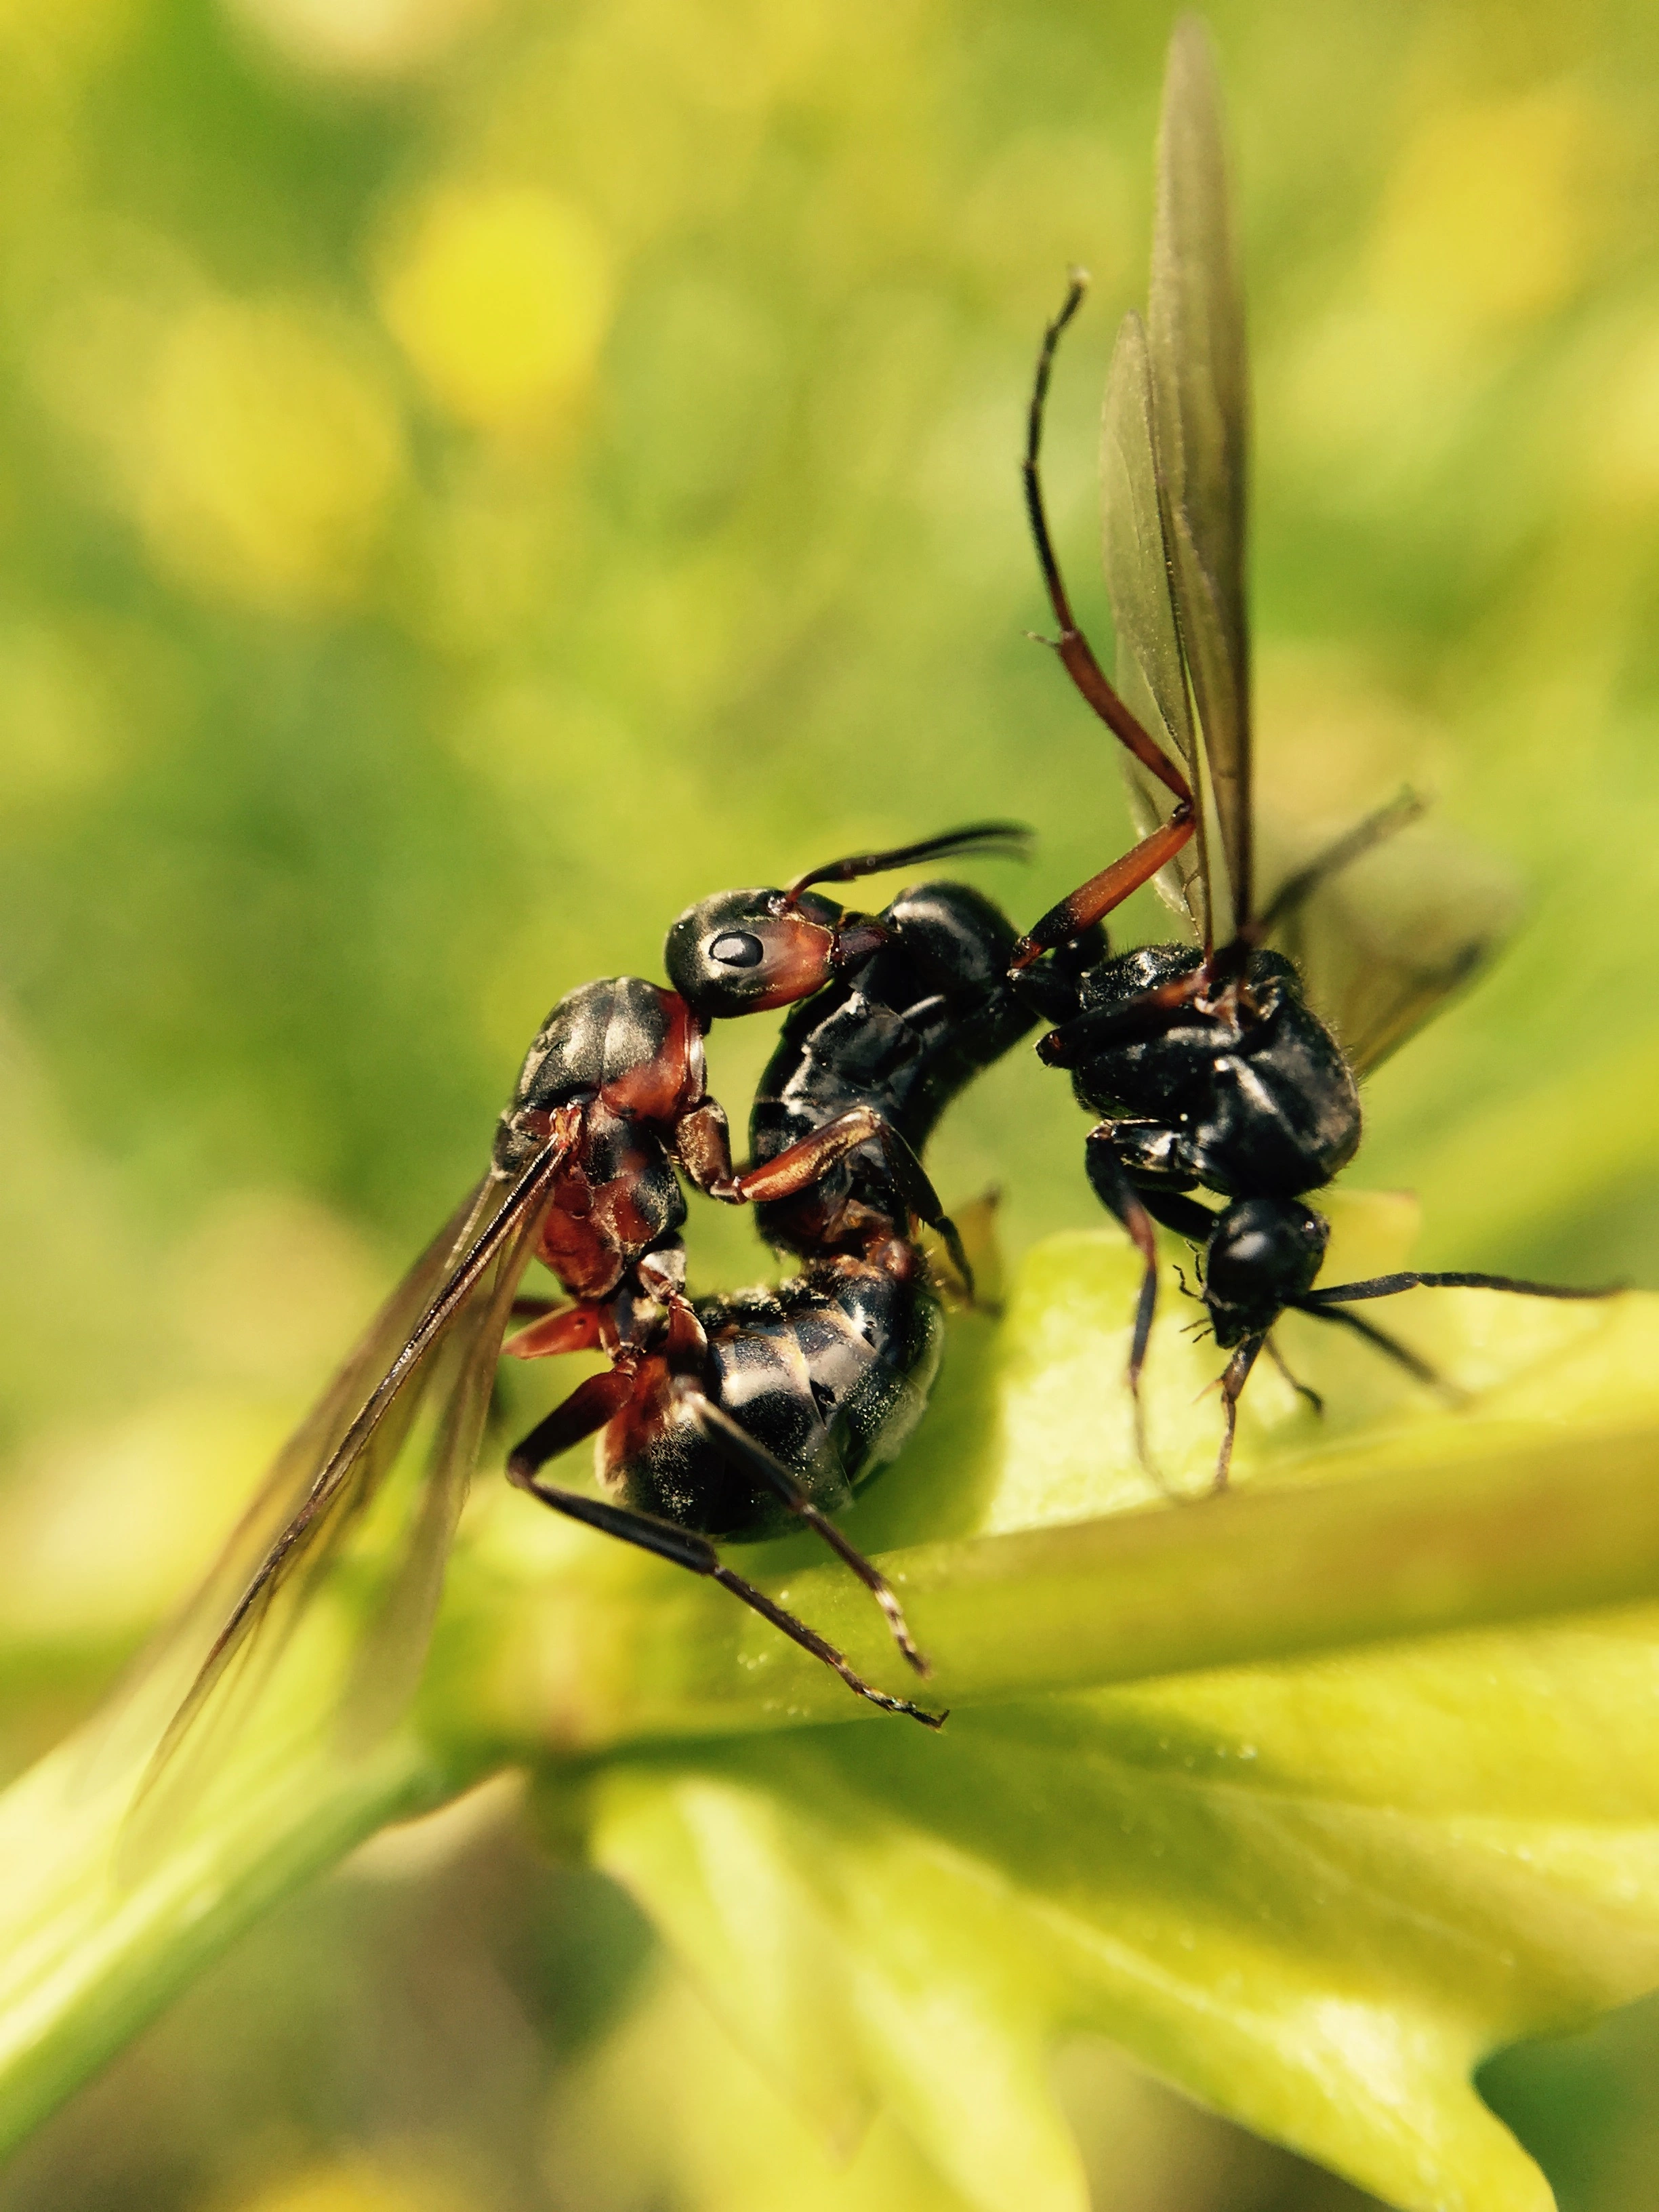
<point>728,1417</point>
<point>1209,1067</point>
<point>734,1418</point>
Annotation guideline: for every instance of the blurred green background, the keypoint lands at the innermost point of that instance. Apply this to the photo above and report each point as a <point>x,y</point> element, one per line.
<point>479,475</point>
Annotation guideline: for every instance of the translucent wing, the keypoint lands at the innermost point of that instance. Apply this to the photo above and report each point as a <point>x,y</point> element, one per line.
<point>1200,377</point>
<point>1382,942</point>
<point>442,1325</point>
<point>156,1686</point>
<point>389,1658</point>
<point>1150,674</point>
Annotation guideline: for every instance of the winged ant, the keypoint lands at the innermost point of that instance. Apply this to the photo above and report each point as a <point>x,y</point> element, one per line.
<point>733,1418</point>
<point>1206,1064</point>
<point>718,1419</point>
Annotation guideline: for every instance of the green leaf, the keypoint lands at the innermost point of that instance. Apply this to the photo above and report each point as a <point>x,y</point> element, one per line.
<point>1308,1797</point>
<point>1314,1895</point>
<point>91,1947</point>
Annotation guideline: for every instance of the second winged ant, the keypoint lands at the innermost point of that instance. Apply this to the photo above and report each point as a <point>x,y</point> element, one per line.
<point>1204,1062</point>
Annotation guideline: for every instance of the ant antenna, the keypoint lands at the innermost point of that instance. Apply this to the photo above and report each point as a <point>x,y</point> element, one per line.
<point>1009,840</point>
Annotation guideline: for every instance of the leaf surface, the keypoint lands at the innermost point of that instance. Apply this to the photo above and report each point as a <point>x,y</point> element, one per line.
<point>1313,1894</point>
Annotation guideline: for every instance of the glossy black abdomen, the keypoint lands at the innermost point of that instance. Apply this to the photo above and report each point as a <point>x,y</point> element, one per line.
<point>831,1371</point>
<point>1268,1105</point>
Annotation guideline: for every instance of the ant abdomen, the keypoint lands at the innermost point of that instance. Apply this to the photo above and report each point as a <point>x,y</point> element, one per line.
<point>830,1373</point>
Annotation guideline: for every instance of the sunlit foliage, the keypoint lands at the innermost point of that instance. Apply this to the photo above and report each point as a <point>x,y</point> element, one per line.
<point>477,476</point>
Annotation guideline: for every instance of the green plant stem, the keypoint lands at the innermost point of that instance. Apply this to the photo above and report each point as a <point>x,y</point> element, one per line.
<point>1502,1525</point>
<point>87,1957</point>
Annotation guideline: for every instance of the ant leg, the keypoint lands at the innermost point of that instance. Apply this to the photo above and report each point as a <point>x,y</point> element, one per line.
<point>1333,1305</point>
<point>923,1201</point>
<point>1076,653</point>
<point>687,1549</point>
<point>1114,885</point>
<point>1174,1210</point>
<point>1093,901</point>
<point>702,1146</point>
<point>801,1164</point>
<point>588,1407</point>
<point>1385,1286</point>
<point>1115,1191</point>
<point>1389,1346</point>
<point>1300,1388</point>
<point>1136,1020</point>
<point>557,1329</point>
<point>1237,1374</point>
<point>737,1444</point>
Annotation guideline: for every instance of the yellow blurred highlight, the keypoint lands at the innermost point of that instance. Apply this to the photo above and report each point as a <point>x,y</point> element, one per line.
<point>268,457</point>
<point>58,732</point>
<point>268,1289</point>
<point>65,40</point>
<point>1623,425</point>
<point>501,296</point>
<point>1488,217</point>
<point>370,39</point>
<point>103,1529</point>
<point>352,2188</point>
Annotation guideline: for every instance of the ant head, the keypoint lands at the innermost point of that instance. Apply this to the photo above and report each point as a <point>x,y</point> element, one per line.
<point>740,952</point>
<point>1262,1252</point>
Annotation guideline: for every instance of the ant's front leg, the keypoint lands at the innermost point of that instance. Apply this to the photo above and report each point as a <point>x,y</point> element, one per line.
<point>1137,1206</point>
<point>704,1150</point>
<point>557,1329</point>
<point>1112,1186</point>
<point>808,1161</point>
<point>648,1308</point>
<point>1236,1375</point>
<point>1139,1019</point>
<point>586,1325</point>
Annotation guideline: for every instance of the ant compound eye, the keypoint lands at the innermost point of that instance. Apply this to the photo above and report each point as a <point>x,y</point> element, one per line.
<point>743,951</point>
<point>738,949</point>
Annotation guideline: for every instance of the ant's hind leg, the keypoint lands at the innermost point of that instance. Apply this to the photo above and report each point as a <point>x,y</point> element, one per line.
<point>588,1407</point>
<point>687,1549</point>
<point>727,1436</point>
<point>1118,1194</point>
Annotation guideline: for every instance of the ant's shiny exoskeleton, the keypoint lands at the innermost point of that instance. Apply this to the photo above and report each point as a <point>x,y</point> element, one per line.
<point>735,1418</point>
<point>718,1418</point>
<point>1208,1066</point>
